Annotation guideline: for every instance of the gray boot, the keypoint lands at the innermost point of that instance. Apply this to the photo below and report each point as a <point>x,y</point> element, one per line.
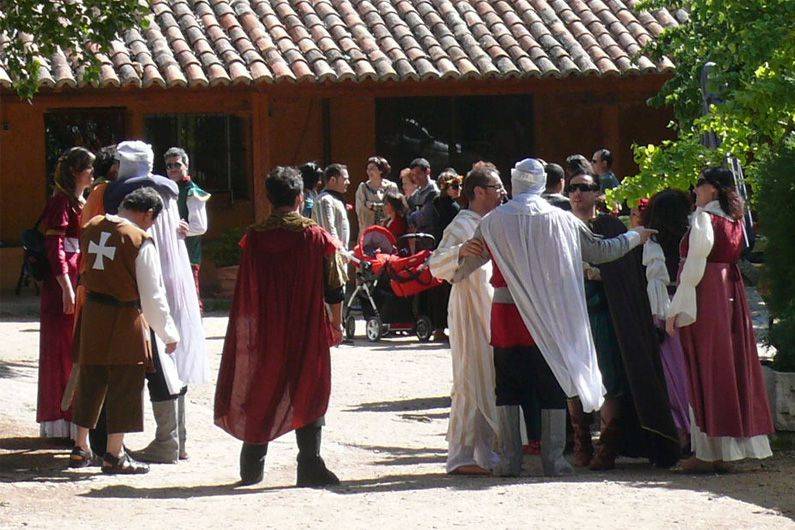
<point>164,449</point>
<point>553,442</point>
<point>181,431</point>
<point>510,464</point>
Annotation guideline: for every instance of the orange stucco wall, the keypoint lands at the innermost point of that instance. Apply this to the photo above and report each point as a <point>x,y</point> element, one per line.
<point>290,125</point>
<point>22,149</point>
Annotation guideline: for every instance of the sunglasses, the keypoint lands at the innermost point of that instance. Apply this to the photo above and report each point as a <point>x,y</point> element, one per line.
<point>701,181</point>
<point>581,187</point>
<point>174,165</point>
<point>455,186</point>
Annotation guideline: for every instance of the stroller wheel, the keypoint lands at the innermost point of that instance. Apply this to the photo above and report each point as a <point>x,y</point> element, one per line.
<point>350,326</point>
<point>373,329</point>
<point>424,328</point>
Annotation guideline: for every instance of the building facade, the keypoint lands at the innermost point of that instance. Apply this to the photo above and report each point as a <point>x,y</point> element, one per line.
<point>244,86</point>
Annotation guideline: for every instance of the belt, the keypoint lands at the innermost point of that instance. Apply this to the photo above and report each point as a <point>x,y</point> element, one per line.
<point>106,299</point>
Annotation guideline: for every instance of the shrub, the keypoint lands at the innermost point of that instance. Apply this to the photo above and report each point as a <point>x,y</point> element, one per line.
<point>225,251</point>
<point>776,206</point>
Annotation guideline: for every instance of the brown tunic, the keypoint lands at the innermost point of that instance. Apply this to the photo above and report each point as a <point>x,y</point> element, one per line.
<point>112,329</point>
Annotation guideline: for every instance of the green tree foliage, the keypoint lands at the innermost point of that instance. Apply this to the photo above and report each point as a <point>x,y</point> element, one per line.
<point>777,187</point>
<point>753,44</point>
<point>31,31</point>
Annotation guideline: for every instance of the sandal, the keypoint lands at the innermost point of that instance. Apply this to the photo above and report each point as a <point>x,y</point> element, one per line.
<point>122,465</point>
<point>694,466</point>
<point>79,458</point>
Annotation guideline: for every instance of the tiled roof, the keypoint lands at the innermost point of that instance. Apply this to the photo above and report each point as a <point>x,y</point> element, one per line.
<point>197,43</point>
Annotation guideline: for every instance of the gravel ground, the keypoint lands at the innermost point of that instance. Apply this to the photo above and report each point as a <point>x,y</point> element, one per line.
<point>384,438</point>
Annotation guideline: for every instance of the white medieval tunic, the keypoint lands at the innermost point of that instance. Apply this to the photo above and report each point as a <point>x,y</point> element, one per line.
<point>473,414</point>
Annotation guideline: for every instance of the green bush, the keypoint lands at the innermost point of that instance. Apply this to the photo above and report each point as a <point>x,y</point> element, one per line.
<point>225,251</point>
<point>775,200</point>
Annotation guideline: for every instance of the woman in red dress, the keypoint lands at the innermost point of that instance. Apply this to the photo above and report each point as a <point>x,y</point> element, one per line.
<point>61,222</point>
<point>729,413</point>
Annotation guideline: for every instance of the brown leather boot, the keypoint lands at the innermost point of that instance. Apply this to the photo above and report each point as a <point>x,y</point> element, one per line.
<point>609,438</point>
<point>581,424</point>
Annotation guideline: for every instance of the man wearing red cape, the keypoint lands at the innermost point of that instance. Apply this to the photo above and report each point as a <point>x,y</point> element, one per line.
<point>275,373</point>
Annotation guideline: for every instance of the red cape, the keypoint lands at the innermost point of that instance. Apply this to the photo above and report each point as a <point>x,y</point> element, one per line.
<point>275,373</point>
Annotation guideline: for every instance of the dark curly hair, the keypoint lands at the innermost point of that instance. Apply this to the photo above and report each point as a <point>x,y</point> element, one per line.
<point>106,157</point>
<point>668,212</point>
<point>397,201</point>
<point>381,163</point>
<point>283,185</point>
<point>723,181</point>
<point>311,173</point>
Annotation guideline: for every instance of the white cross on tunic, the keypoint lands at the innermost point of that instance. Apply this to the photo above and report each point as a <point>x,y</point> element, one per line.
<point>101,251</point>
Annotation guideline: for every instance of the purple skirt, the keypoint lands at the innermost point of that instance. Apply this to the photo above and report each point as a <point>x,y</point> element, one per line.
<point>675,370</point>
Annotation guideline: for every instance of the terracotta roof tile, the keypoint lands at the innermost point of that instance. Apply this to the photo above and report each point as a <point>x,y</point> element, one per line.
<point>198,43</point>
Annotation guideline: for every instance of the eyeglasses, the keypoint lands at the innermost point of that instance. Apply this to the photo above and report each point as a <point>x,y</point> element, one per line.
<point>701,181</point>
<point>581,187</point>
<point>493,186</point>
<point>174,165</point>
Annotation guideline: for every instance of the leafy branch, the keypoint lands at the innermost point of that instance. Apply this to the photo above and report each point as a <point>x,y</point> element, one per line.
<point>32,32</point>
<point>752,43</point>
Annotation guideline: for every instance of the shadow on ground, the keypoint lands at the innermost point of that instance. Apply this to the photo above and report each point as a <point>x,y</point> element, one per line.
<point>121,491</point>
<point>37,460</point>
<point>399,347</point>
<point>768,485</point>
<point>14,369</point>
<point>404,405</point>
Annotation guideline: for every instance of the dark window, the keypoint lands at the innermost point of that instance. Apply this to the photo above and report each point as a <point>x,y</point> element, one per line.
<point>455,131</point>
<point>217,145</point>
<point>91,128</point>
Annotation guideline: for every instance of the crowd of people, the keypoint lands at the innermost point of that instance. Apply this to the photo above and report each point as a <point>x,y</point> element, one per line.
<point>555,310</point>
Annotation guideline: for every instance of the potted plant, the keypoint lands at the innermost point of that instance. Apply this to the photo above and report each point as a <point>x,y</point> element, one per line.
<point>225,254</point>
<point>775,199</point>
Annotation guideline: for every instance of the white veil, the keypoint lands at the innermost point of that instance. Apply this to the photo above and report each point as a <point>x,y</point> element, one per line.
<point>537,249</point>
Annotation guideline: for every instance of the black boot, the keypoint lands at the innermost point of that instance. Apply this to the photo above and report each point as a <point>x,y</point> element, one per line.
<point>252,463</point>
<point>312,471</point>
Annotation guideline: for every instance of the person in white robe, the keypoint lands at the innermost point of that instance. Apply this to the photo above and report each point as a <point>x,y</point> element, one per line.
<point>473,425</point>
<point>539,250</point>
<point>189,364</point>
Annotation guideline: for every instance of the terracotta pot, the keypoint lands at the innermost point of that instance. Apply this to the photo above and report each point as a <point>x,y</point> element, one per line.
<point>227,277</point>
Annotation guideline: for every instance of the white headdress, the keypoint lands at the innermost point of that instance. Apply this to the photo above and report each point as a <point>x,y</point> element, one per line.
<point>528,176</point>
<point>136,159</point>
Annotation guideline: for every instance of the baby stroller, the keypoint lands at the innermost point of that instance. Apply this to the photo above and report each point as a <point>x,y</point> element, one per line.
<point>389,275</point>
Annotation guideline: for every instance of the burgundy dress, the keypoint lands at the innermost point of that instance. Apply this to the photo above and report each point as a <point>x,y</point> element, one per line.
<point>727,389</point>
<point>61,223</point>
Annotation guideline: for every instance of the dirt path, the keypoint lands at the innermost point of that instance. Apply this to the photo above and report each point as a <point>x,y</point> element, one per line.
<point>384,438</point>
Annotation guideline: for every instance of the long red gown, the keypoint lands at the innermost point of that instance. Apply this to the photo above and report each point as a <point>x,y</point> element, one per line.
<point>275,373</point>
<point>61,223</point>
<point>726,383</point>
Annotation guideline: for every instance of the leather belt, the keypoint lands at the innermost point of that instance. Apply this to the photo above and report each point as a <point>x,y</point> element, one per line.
<point>106,299</point>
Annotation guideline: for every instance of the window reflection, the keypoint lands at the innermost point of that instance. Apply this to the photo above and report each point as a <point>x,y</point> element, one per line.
<point>455,131</point>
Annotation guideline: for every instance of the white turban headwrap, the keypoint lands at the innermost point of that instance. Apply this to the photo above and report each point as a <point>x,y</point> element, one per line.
<point>136,159</point>
<point>528,176</point>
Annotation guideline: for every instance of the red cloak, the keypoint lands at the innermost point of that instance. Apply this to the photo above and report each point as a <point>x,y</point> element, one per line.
<point>275,373</point>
